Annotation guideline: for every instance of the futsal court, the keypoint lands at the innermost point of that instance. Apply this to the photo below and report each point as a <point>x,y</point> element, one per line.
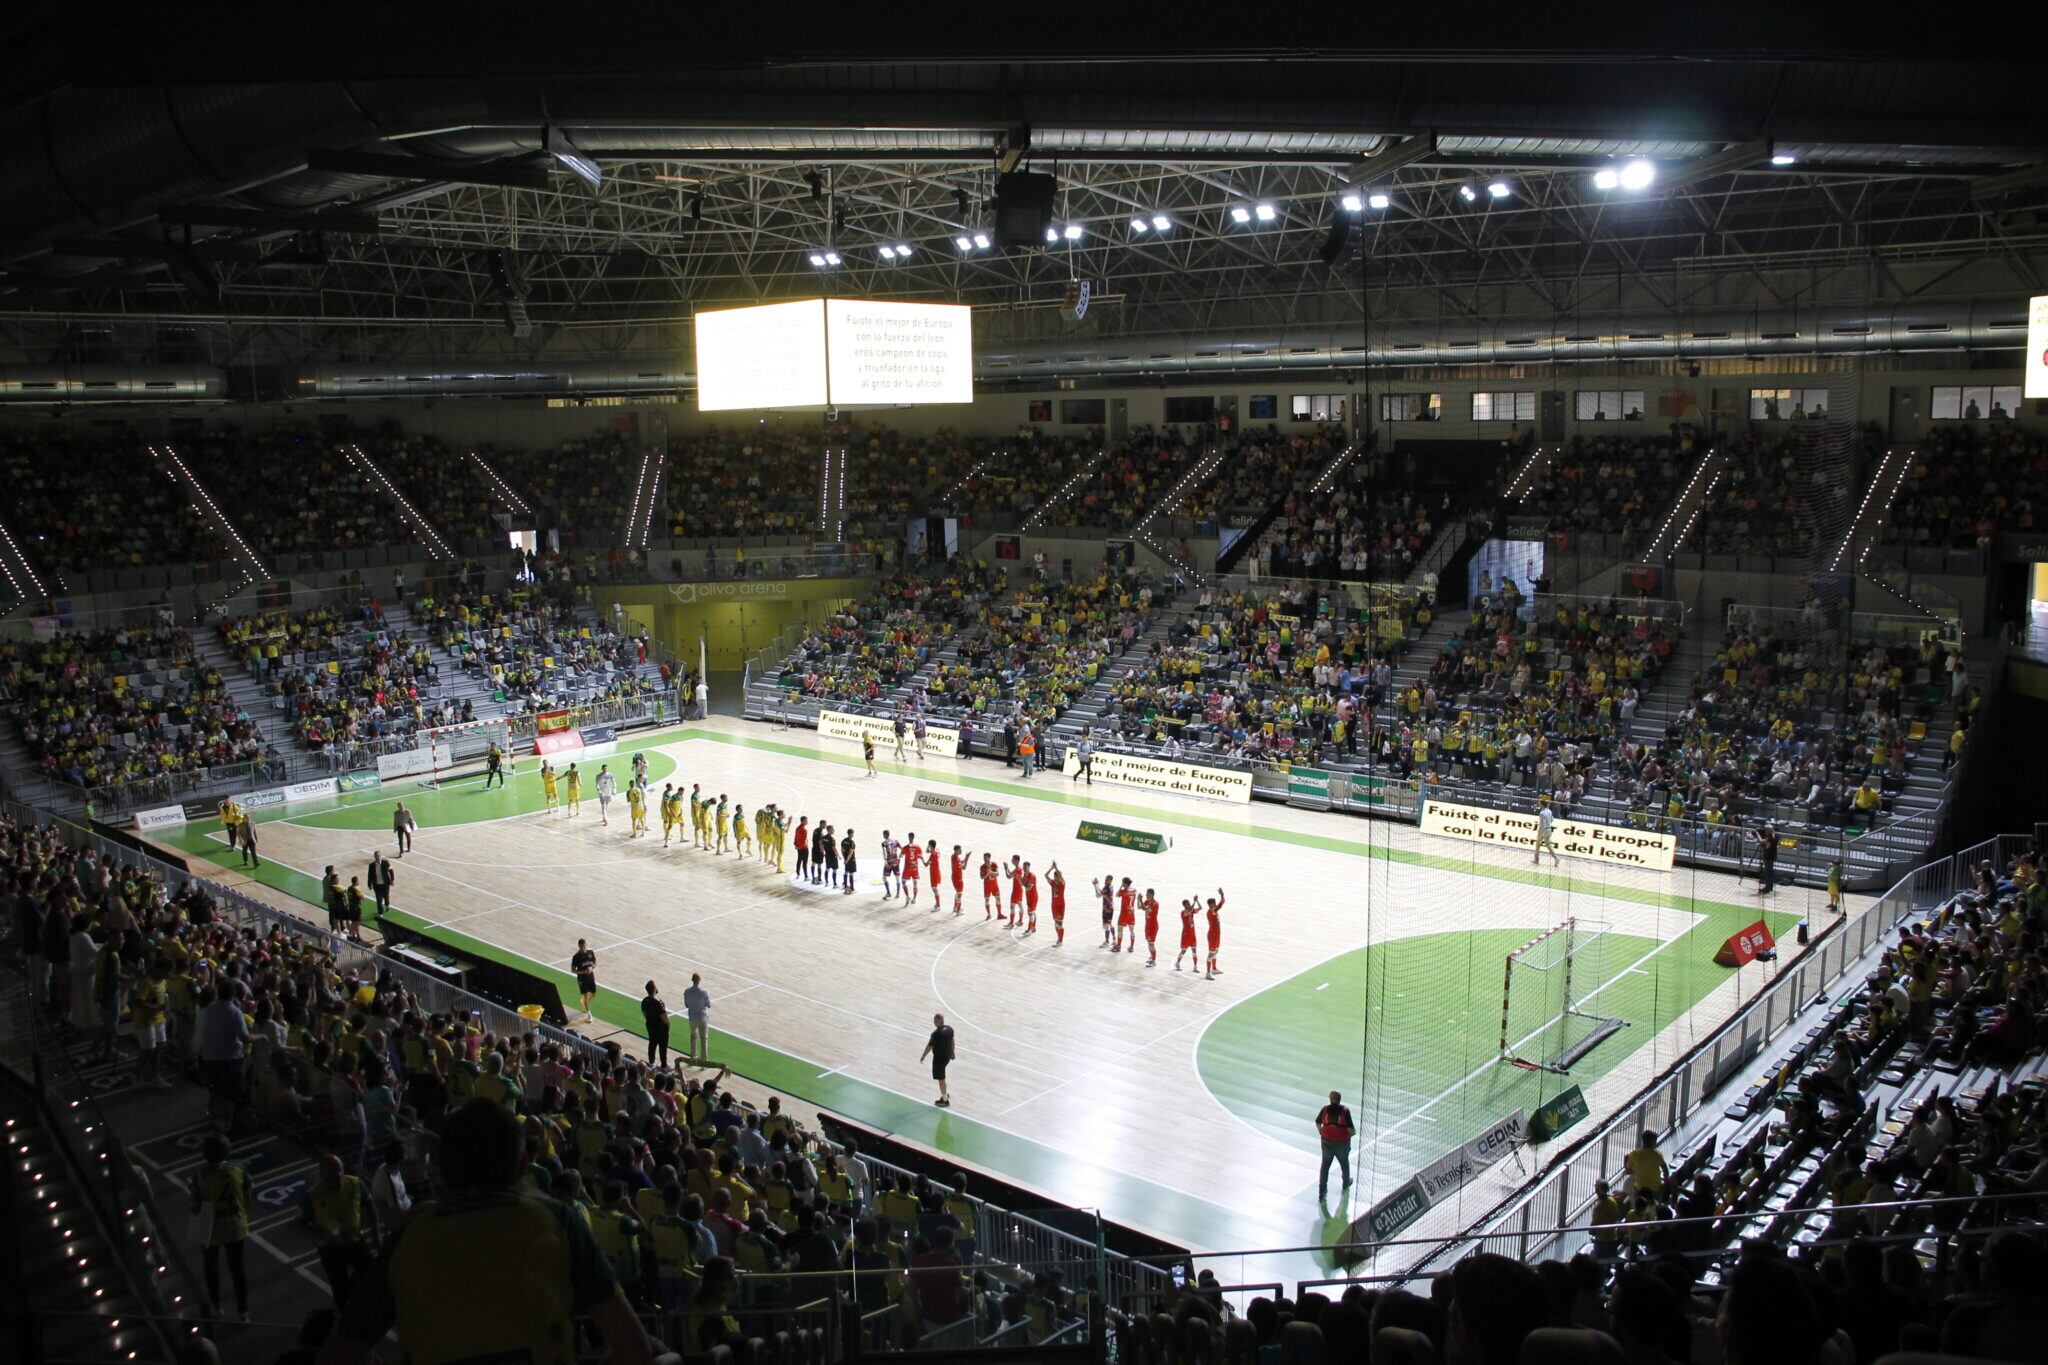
<point>1357,955</point>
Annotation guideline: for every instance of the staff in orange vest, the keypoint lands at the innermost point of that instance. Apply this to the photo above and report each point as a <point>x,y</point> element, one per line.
<point>1027,751</point>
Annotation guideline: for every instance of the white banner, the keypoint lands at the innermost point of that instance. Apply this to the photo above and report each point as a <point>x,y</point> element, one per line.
<point>941,740</point>
<point>1164,775</point>
<point>1616,844</point>
<point>410,761</point>
<point>311,791</point>
<point>160,818</point>
<point>269,796</point>
<point>1444,1176</point>
<point>943,804</point>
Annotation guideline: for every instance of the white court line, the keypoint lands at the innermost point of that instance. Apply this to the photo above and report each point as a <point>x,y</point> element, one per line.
<point>1115,1061</point>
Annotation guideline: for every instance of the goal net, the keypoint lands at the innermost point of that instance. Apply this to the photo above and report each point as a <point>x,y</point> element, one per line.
<point>1553,995</point>
<point>468,742</point>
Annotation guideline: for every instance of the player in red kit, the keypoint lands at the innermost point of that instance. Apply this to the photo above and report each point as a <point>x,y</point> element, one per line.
<point>959,879</point>
<point>1151,904</point>
<point>989,894</point>
<point>1056,881</point>
<point>1188,947</point>
<point>931,865</point>
<point>1030,900</point>
<point>1126,921</point>
<point>1215,930</point>
<point>912,866</point>
<point>1015,872</point>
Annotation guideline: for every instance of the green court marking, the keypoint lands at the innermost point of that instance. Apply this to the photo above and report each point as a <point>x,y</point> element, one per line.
<point>1270,1059</point>
<point>1431,1007</point>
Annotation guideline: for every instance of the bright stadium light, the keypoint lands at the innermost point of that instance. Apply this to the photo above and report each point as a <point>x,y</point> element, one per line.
<point>1498,189</point>
<point>1638,175</point>
<point>1160,222</point>
<point>1265,213</point>
<point>1073,232</point>
<point>1467,193</point>
<point>888,253</point>
<point>831,258</point>
<point>981,241</point>
<point>1240,214</point>
<point>1378,201</point>
<point>1140,225</point>
<point>964,243</point>
<point>1783,159</point>
<point>1352,203</point>
<point>1052,234</point>
<point>1605,180</point>
<point>817,261</point>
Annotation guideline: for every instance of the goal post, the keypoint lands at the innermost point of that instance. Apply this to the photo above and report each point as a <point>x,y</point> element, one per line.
<point>1553,997</point>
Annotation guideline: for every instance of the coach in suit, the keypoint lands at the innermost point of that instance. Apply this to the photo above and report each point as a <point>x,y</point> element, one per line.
<point>382,877</point>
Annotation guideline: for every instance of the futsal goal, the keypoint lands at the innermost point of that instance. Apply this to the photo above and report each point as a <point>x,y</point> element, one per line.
<point>1553,1005</point>
<point>466,742</point>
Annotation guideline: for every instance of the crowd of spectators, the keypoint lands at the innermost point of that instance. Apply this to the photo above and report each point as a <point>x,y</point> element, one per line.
<point>88,504</point>
<point>873,645</point>
<point>1015,474</point>
<point>1612,486</point>
<point>1283,674</point>
<point>583,484</point>
<point>533,645</point>
<point>1965,486</point>
<point>1530,692</point>
<point>290,490</point>
<point>1131,479</point>
<point>125,706</point>
<point>1773,496</point>
<point>1261,467</point>
<point>1034,653</point>
<point>443,485</point>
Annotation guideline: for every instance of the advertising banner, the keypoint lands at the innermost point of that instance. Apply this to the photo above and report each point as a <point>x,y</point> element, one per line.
<point>944,804</point>
<point>560,742</point>
<point>273,796</point>
<point>848,727</point>
<point>599,741</point>
<point>1164,775</point>
<point>358,782</point>
<point>1742,947</point>
<point>311,791</point>
<point>161,818</point>
<point>1557,1113</point>
<point>1440,1180</point>
<point>1571,838</point>
<point>410,762</point>
<point>1136,840</point>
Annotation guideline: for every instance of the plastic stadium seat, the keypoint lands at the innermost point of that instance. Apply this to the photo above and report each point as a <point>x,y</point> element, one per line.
<point>1571,1346</point>
<point>1402,1346</point>
<point>1301,1343</point>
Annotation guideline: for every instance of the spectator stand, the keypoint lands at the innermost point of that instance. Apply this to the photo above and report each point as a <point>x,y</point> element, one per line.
<point>1023,1281</point>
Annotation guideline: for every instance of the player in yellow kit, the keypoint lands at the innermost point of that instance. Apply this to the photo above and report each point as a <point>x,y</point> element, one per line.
<point>724,819</point>
<point>547,784</point>
<point>574,803</point>
<point>700,818</point>
<point>636,807</point>
<point>780,828</point>
<point>740,837</point>
<point>669,803</point>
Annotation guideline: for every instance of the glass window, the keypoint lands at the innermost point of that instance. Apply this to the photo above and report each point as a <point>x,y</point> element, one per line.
<point>1411,407</point>
<point>1504,407</point>
<point>1973,402</point>
<point>1083,411</point>
<point>1265,406</point>
<point>1610,405</point>
<point>1316,407</point>
<point>1778,405</point>
<point>1199,409</point>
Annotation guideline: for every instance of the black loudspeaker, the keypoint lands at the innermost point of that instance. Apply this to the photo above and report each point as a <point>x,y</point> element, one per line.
<point>1023,208</point>
<point>1336,250</point>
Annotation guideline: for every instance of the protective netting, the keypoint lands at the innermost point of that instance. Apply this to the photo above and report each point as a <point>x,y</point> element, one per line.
<point>1553,994</point>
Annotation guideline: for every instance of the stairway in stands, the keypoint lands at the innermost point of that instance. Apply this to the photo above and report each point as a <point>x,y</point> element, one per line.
<point>1088,708</point>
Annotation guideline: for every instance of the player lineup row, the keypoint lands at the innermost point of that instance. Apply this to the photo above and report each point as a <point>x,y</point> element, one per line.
<point>828,858</point>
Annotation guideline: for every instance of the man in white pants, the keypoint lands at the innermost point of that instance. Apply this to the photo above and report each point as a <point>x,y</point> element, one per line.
<point>697,1005</point>
<point>1543,844</point>
<point>607,788</point>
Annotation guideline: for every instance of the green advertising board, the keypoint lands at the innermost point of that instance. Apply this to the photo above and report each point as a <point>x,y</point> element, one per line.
<point>1312,782</point>
<point>1391,1215</point>
<point>1557,1113</point>
<point>1136,840</point>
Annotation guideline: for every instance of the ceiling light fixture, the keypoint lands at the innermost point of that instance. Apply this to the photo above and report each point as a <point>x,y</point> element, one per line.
<point>1378,201</point>
<point>1265,213</point>
<point>1073,232</point>
<point>1140,225</point>
<point>1605,180</point>
<point>1498,189</point>
<point>1352,203</point>
<point>1467,193</point>
<point>1783,159</point>
<point>1160,222</point>
<point>1240,214</point>
<point>1638,175</point>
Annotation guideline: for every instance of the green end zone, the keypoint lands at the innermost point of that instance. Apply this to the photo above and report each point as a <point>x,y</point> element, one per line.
<point>1431,1003</point>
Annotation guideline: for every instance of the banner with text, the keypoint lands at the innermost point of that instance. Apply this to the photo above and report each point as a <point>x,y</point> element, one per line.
<point>1439,1180</point>
<point>1571,838</point>
<point>311,791</point>
<point>359,782</point>
<point>846,726</point>
<point>1136,840</point>
<point>1164,775</point>
<point>160,818</point>
<point>408,762</point>
<point>942,803</point>
<point>560,742</point>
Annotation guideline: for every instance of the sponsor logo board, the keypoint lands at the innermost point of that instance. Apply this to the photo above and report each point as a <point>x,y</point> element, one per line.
<point>1571,838</point>
<point>1441,1179</point>
<point>358,782</point>
<point>944,804</point>
<point>1116,836</point>
<point>562,741</point>
<point>311,791</point>
<point>273,796</point>
<point>160,818</point>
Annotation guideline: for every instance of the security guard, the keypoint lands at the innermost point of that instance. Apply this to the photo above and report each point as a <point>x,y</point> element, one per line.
<point>545,1272</point>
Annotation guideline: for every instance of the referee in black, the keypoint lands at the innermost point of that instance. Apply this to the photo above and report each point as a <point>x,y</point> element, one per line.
<point>494,766</point>
<point>939,1047</point>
